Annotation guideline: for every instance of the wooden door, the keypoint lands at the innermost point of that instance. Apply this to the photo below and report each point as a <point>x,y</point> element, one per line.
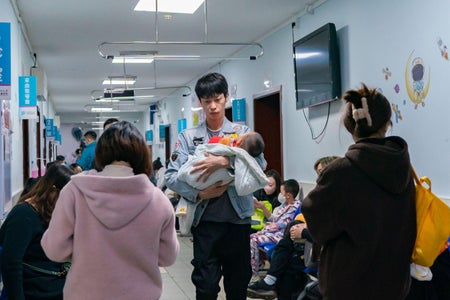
<point>268,122</point>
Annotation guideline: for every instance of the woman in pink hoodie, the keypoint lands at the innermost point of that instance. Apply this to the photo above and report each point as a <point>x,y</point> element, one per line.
<point>114,225</point>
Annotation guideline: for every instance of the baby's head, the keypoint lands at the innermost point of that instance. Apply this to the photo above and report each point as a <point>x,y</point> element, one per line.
<point>252,142</point>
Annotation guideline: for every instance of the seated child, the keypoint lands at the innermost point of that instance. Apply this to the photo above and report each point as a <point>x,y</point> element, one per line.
<point>247,174</point>
<point>273,231</point>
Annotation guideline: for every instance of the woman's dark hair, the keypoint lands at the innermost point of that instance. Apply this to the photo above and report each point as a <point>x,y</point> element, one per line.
<point>109,121</point>
<point>45,191</point>
<point>379,110</point>
<point>123,142</point>
<point>324,161</point>
<point>210,85</point>
<point>275,175</point>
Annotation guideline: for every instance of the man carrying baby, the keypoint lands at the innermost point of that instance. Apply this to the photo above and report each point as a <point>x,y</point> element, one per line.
<point>221,226</point>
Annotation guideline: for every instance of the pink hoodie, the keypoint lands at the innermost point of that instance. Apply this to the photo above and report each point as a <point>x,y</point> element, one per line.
<point>116,231</point>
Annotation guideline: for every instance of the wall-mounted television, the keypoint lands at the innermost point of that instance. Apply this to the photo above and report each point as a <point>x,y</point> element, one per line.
<point>317,67</point>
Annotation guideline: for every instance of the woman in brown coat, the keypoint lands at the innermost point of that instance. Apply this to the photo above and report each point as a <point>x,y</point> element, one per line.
<point>362,210</point>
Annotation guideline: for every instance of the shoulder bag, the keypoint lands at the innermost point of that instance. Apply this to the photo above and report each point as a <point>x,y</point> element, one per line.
<point>433,223</point>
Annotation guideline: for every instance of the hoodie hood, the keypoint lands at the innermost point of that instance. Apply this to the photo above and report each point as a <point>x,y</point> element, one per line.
<point>385,161</point>
<point>115,201</point>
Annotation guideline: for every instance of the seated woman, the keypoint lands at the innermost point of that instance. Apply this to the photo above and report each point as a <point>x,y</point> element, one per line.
<point>273,231</point>
<point>270,191</point>
<point>26,270</point>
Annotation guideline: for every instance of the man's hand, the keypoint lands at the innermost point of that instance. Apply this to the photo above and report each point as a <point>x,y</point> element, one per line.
<point>296,231</point>
<point>208,165</point>
<point>213,191</point>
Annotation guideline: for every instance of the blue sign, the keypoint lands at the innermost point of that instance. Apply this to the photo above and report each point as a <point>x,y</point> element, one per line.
<point>238,110</point>
<point>5,61</point>
<point>153,109</point>
<point>48,127</point>
<point>54,130</point>
<point>162,131</point>
<point>27,91</point>
<point>181,125</point>
<point>58,136</point>
<point>149,135</point>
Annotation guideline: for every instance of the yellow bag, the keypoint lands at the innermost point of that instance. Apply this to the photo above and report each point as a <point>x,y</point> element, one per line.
<point>433,223</point>
<point>258,217</point>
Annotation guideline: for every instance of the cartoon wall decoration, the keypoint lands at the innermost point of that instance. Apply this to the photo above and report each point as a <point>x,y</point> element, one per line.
<point>415,81</point>
<point>386,73</point>
<point>397,113</point>
<point>442,48</point>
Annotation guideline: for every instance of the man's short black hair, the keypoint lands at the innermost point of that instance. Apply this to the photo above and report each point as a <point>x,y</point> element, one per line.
<point>60,158</point>
<point>210,85</point>
<point>91,134</point>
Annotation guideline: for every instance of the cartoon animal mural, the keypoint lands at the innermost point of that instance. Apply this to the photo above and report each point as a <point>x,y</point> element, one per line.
<point>442,48</point>
<point>417,90</point>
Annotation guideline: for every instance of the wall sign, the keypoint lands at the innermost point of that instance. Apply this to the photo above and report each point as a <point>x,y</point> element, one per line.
<point>27,97</point>
<point>5,61</point>
<point>238,110</point>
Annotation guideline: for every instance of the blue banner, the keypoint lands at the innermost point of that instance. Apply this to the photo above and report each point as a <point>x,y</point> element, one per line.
<point>149,135</point>
<point>48,127</point>
<point>5,61</point>
<point>181,125</point>
<point>238,110</point>
<point>153,109</point>
<point>162,131</point>
<point>27,91</point>
<point>58,136</point>
<point>54,130</point>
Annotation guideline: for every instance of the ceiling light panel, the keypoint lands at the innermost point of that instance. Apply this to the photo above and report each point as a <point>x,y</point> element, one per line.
<point>132,60</point>
<point>169,6</point>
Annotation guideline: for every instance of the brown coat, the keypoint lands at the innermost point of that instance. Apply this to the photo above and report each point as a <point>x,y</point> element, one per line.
<point>363,212</point>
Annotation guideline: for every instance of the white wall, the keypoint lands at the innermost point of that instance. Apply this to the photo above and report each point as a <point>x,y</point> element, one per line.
<point>20,61</point>
<point>372,36</point>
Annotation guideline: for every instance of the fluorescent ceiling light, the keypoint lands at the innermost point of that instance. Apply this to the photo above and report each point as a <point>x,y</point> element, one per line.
<point>132,60</point>
<point>107,100</point>
<point>169,6</point>
<point>107,117</point>
<point>110,81</point>
<point>101,109</point>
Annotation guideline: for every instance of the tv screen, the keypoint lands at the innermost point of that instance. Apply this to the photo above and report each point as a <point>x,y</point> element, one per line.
<point>317,68</point>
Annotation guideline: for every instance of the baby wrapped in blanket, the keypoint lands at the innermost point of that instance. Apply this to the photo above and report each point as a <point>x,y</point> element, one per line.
<point>247,176</point>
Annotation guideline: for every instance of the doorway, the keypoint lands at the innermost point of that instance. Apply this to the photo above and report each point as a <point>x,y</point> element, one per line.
<point>268,122</point>
<point>26,151</point>
<point>167,144</point>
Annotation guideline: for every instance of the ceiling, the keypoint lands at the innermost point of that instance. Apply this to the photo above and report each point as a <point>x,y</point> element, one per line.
<point>65,35</point>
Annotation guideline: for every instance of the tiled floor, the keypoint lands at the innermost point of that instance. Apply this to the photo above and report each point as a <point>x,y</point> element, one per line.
<point>177,284</point>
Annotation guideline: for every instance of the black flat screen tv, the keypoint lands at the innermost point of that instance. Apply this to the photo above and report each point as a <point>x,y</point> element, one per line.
<point>317,67</point>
